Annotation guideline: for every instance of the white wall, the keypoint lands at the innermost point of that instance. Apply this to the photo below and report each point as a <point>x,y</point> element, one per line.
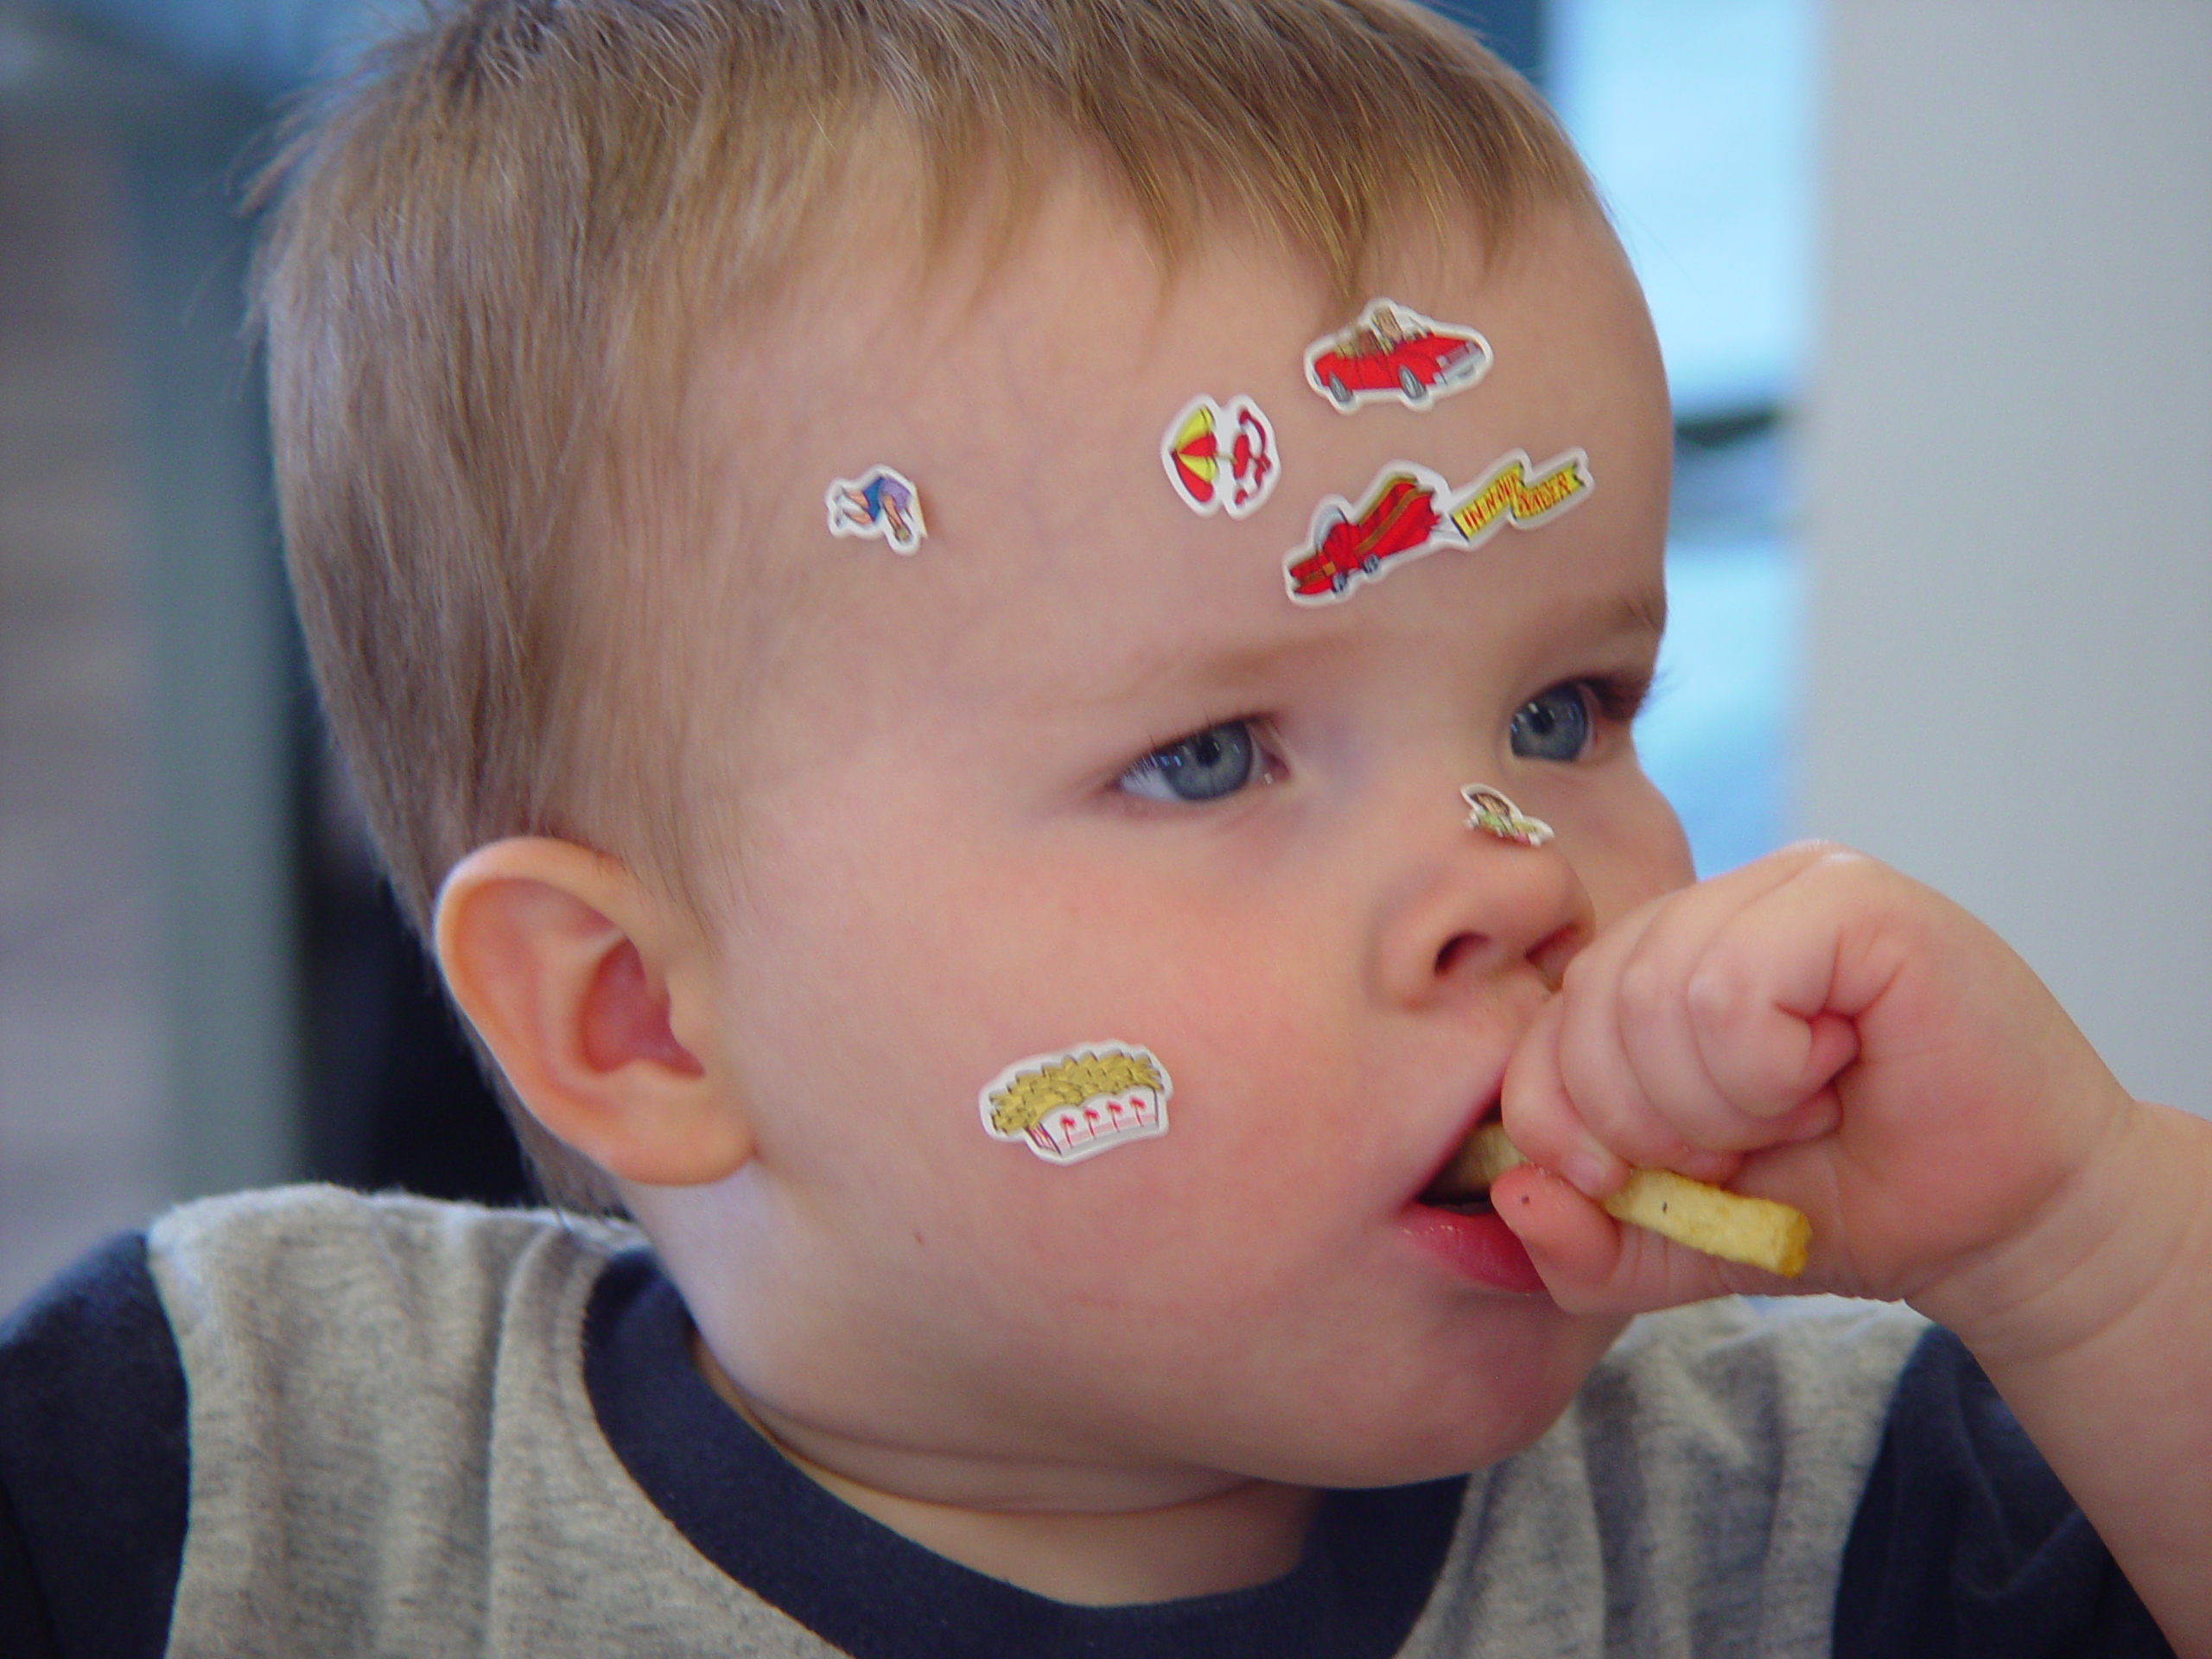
<point>2009,484</point>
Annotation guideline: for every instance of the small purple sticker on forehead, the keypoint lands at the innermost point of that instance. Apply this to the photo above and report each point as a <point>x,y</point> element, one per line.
<point>881,504</point>
<point>1393,352</point>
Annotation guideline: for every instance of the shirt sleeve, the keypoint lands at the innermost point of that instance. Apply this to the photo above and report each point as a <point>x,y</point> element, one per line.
<point>94,1467</point>
<point>1964,1545</point>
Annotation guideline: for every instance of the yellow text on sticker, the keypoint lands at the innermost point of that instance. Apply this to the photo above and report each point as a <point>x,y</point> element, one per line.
<point>1508,493</point>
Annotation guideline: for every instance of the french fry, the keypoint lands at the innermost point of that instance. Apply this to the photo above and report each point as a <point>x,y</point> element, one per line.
<point>1758,1232</point>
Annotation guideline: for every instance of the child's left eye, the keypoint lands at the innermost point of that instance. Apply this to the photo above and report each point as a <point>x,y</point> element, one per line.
<point>1203,767</point>
<point>1554,725</point>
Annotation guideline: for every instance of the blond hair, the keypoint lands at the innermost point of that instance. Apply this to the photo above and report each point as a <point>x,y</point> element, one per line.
<point>488,245</point>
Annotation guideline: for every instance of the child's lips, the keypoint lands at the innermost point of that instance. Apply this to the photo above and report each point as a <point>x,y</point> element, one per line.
<point>1460,1227</point>
<point>1475,1246</point>
<point>1437,1192</point>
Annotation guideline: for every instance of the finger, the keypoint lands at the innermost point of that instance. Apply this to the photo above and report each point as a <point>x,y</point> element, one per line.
<point>1574,1244</point>
<point>1658,1038</point>
<point>1621,1123</point>
<point>1540,1115</point>
<point>1590,1263</point>
<point>1758,1000</point>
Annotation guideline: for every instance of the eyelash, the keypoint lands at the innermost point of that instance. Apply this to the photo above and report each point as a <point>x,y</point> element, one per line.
<point>1603,704</point>
<point>1615,698</point>
<point>1265,766</point>
<point>1619,698</point>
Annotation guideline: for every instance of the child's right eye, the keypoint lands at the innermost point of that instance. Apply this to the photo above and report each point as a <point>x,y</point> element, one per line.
<point>1203,767</point>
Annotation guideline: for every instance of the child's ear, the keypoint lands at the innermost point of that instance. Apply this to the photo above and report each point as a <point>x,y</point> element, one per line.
<point>579,980</point>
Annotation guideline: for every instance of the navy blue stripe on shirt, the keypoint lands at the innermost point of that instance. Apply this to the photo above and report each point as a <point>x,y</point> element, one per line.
<point>1369,1567</point>
<point>1965,1546</point>
<point>94,1466</point>
<point>25,1623</point>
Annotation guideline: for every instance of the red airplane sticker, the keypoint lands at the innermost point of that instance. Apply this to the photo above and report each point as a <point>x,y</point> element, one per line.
<point>1409,511</point>
<point>1392,351</point>
<point>1221,456</point>
<point>1348,545</point>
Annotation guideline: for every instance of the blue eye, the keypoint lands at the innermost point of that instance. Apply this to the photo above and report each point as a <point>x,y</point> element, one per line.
<point>1553,725</point>
<point>1203,767</point>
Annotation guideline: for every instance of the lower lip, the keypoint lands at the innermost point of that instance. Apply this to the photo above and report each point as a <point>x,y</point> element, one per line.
<point>1478,1248</point>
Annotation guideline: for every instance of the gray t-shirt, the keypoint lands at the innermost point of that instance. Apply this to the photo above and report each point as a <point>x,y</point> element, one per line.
<point>394,1449</point>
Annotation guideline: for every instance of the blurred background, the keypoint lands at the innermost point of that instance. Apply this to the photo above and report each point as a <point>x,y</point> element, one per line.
<point>1933,279</point>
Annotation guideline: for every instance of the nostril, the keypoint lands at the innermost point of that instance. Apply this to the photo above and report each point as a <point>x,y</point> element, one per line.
<point>1556,949</point>
<point>1454,948</point>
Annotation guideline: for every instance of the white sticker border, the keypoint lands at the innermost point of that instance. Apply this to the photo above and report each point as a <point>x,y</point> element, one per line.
<point>1568,465</point>
<point>1225,417</point>
<point>1066,1149</point>
<point>846,524</point>
<point>1356,397</point>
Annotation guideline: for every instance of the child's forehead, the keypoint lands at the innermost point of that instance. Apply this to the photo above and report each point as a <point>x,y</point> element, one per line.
<point>1026,394</point>
<point>1033,342</point>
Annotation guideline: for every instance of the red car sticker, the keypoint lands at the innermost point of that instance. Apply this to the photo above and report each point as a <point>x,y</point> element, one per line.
<point>1398,520</point>
<point>1392,351</point>
<point>1221,455</point>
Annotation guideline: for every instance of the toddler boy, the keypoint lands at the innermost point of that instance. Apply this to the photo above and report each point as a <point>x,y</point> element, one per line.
<point>1022,962</point>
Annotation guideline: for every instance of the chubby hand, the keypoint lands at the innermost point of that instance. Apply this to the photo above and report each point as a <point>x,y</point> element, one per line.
<point>1817,1029</point>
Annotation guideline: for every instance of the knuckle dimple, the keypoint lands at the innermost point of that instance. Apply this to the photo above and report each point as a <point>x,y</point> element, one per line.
<point>1716,994</point>
<point>1643,990</point>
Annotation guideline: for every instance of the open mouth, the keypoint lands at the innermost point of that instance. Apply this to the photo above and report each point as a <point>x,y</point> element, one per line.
<point>1462,1184</point>
<point>1453,1219</point>
<point>1471,1203</point>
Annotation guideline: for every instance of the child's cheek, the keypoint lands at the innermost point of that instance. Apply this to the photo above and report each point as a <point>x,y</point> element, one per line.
<point>1254,1083</point>
<point>1628,848</point>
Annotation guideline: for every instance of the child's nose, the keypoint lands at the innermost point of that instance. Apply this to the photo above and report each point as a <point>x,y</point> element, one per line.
<point>1484,909</point>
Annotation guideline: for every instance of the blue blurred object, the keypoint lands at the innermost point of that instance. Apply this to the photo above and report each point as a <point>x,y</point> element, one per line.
<point>1697,118</point>
<point>259,47</point>
<point>1517,30</point>
<point>1716,736</point>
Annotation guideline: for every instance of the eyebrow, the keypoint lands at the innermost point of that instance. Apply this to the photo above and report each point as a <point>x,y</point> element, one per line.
<point>1202,667</point>
<point>1642,613</point>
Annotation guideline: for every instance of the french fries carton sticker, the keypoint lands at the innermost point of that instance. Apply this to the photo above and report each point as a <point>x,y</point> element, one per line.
<point>1221,456</point>
<point>1392,351</point>
<point>881,504</point>
<point>1398,519</point>
<point>1492,812</point>
<point>1068,1107</point>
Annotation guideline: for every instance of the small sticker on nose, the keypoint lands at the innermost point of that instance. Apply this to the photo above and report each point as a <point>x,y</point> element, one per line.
<point>1490,811</point>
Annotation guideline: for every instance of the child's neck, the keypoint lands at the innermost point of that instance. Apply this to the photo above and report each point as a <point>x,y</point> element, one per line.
<point>1244,1534</point>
